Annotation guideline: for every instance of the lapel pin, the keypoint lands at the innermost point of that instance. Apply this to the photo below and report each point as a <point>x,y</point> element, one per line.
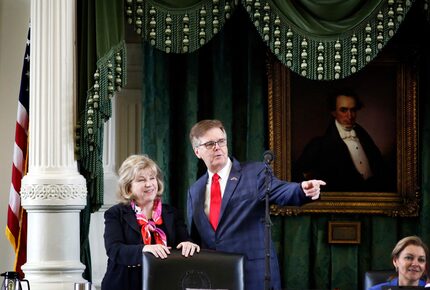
<point>233,178</point>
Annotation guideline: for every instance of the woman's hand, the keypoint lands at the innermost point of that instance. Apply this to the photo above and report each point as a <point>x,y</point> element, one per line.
<point>188,248</point>
<point>159,251</point>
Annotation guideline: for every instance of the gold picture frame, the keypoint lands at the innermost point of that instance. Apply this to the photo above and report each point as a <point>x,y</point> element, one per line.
<point>404,201</point>
<point>343,232</point>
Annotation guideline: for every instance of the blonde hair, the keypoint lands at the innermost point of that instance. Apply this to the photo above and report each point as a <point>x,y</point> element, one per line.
<point>128,171</point>
<point>199,129</point>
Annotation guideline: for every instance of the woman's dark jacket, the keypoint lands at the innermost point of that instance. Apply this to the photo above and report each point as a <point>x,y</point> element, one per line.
<point>124,244</point>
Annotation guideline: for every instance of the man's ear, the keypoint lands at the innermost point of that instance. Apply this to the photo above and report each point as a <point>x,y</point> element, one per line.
<point>196,151</point>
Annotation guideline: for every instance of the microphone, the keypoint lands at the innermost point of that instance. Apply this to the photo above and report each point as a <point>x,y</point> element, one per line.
<point>268,156</point>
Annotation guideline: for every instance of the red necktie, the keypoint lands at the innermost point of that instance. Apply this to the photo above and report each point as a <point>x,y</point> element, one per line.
<point>215,201</point>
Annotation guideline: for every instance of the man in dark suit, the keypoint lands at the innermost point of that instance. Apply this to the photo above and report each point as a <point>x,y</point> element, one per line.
<point>236,195</point>
<point>345,157</point>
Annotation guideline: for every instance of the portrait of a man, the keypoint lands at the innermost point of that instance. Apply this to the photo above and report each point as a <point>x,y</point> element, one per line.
<point>359,134</point>
<point>345,155</point>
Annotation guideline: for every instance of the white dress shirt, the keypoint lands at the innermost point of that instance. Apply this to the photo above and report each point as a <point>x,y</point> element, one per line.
<point>223,176</point>
<point>356,151</point>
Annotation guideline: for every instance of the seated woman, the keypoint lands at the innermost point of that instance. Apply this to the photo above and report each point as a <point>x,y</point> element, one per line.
<point>409,259</point>
<point>140,223</point>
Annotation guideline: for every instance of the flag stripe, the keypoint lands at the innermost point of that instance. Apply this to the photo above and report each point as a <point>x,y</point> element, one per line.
<point>20,138</point>
<point>18,158</point>
<point>22,117</point>
<point>14,201</point>
<point>16,181</point>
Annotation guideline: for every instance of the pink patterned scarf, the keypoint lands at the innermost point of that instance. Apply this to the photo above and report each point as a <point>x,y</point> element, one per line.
<point>149,226</point>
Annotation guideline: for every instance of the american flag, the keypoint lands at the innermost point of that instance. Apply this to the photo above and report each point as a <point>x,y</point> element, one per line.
<point>16,228</point>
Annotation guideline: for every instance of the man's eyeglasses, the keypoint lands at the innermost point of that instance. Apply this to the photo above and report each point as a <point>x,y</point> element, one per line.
<point>211,144</point>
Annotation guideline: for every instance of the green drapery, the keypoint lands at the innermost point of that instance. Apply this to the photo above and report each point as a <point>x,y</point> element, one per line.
<point>179,26</point>
<point>102,67</point>
<point>320,40</point>
<point>101,64</point>
<point>222,80</point>
<point>330,39</point>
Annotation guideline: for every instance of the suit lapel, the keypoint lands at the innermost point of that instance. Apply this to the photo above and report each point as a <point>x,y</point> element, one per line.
<point>199,196</point>
<point>232,182</point>
<point>130,218</point>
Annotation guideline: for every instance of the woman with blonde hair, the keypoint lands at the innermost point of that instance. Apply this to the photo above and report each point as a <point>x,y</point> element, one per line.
<point>140,222</point>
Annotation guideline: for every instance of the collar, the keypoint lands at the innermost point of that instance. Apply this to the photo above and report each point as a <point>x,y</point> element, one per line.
<point>223,173</point>
<point>135,207</point>
<point>343,132</point>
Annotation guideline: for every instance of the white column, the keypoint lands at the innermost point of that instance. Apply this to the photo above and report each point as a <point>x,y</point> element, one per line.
<point>53,192</point>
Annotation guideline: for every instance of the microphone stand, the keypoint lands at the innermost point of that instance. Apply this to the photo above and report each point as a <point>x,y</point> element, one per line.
<point>268,223</point>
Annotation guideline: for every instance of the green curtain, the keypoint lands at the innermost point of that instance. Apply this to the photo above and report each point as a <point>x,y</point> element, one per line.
<point>327,40</point>
<point>222,80</point>
<point>320,40</point>
<point>178,26</point>
<point>101,65</point>
<point>425,156</point>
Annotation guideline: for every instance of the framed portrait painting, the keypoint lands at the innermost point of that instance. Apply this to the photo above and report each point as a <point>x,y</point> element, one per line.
<point>299,114</point>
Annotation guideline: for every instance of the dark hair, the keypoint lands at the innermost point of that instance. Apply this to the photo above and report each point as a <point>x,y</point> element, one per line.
<point>332,98</point>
